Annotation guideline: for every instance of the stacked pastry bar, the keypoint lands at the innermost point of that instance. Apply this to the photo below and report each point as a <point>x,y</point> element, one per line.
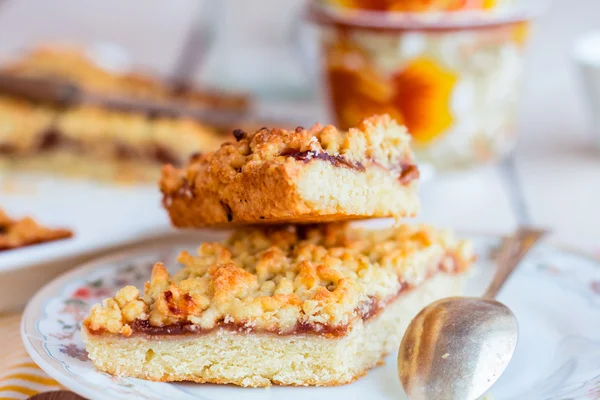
<point>96,141</point>
<point>280,303</point>
<point>307,175</point>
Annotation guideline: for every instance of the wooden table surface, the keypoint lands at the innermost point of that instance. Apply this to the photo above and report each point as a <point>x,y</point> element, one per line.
<point>12,348</point>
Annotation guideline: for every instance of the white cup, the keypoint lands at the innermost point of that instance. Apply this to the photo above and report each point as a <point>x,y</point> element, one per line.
<point>587,55</point>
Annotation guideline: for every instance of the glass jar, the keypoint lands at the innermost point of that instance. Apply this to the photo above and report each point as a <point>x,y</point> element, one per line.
<point>419,5</point>
<point>255,49</point>
<point>453,78</point>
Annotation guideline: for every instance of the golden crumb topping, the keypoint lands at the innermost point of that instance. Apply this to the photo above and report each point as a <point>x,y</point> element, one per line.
<point>378,140</point>
<point>71,64</point>
<point>280,279</point>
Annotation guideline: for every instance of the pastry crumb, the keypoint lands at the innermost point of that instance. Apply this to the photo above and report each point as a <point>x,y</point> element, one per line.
<point>15,233</point>
<point>283,279</point>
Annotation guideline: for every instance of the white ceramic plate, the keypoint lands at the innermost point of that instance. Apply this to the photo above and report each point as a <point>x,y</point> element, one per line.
<point>100,215</point>
<point>555,295</point>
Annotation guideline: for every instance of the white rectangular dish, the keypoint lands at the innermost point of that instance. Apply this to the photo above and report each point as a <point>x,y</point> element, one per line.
<point>103,218</point>
<point>99,215</point>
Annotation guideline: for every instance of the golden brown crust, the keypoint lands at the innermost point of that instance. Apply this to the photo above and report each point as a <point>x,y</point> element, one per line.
<point>286,279</point>
<point>244,383</point>
<point>73,65</point>
<point>26,232</point>
<point>274,175</point>
<point>377,140</point>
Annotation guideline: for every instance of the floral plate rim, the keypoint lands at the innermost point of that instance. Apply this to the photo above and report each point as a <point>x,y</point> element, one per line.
<point>36,311</point>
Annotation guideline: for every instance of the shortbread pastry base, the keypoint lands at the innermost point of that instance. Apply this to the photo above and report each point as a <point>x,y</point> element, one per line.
<point>296,192</point>
<point>261,359</point>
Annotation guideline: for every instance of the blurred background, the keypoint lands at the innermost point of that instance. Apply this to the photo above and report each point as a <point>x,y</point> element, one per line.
<point>267,49</point>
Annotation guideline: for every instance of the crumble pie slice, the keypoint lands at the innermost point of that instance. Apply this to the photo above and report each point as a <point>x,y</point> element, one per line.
<point>26,232</point>
<point>96,142</point>
<point>127,144</point>
<point>308,175</point>
<point>304,305</point>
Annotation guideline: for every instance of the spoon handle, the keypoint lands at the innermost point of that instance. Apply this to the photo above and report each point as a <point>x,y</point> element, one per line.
<point>512,252</point>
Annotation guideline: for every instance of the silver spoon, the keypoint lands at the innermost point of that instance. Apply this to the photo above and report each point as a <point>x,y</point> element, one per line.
<point>456,348</point>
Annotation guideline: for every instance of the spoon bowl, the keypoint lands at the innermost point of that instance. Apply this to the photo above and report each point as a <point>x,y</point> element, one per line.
<point>456,348</point>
